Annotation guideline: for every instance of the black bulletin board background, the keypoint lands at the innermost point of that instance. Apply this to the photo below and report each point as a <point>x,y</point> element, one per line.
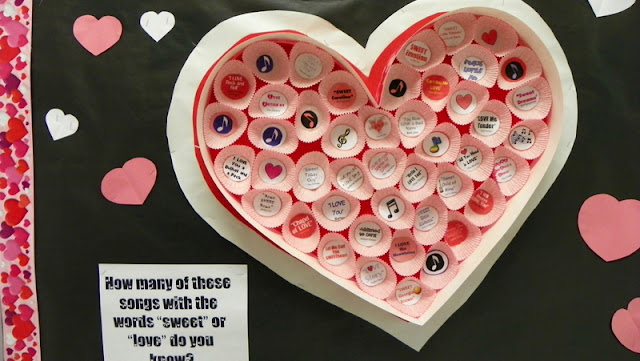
<point>547,298</point>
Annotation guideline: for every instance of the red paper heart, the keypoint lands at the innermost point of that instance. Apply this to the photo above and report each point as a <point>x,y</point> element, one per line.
<point>464,100</point>
<point>490,37</point>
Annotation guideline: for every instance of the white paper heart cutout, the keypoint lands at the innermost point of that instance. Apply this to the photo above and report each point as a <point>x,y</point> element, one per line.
<point>61,125</point>
<point>201,68</point>
<point>157,25</point>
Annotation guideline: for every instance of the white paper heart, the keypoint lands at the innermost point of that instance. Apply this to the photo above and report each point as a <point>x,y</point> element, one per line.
<point>61,125</point>
<point>157,25</point>
<point>610,7</point>
<point>213,47</point>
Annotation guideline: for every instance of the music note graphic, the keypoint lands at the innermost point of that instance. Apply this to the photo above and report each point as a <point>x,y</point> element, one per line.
<point>225,123</point>
<point>435,262</point>
<point>222,124</point>
<point>514,68</point>
<point>392,204</point>
<point>435,148</point>
<point>309,119</point>
<point>265,64</point>
<point>342,138</point>
<point>274,136</point>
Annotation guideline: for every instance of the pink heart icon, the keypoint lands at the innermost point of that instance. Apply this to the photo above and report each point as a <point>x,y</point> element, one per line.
<point>273,171</point>
<point>97,35</point>
<point>625,325</point>
<point>609,227</point>
<point>130,184</point>
<point>464,100</point>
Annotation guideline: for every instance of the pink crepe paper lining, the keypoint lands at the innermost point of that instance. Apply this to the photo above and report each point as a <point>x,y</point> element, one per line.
<point>382,290</point>
<point>412,266</point>
<point>310,195</point>
<point>459,200</point>
<point>230,185</point>
<point>353,122</point>
<point>429,116</point>
<point>426,190</point>
<point>482,97</point>
<point>506,40</point>
<point>305,48</point>
<point>500,110</point>
<point>264,157</point>
<point>446,71</point>
<point>406,220</point>
<point>412,80</point>
<point>348,268</point>
<point>436,233</point>
<point>531,62</point>
<point>432,40</point>
<point>234,67</point>
<point>452,132</point>
<point>438,282</point>
<point>468,23</point>
<point>379,248</point>
<point>280,71</point>
<point>304,245</point>
<point>428,295</point>
<point>499,205</point>
<point>336,226</point>
<point>342,76</point>
<point>289,93</point>
<point>486,56</point>
<point>392,140</point>
<point>365,190</point>
<point>257,126</point>
<point>541,110</point>
<point>466,247</point>
<point>272,221</point>
<point>541,132</point>
<point>401,162</point>
<point>215,140</point>
<point>483,171</point>
<point>521,176</point>
<point>309,100</point>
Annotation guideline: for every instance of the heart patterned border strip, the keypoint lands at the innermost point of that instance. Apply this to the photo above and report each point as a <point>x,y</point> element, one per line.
<point>535,32</point>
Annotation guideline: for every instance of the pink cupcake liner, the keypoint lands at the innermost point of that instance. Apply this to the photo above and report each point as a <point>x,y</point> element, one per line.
<point>273,134</point>
<point>453,186</point>
<point>273,171</point>
<point>441,145</point>
<point>531,100</point>
<point>510,170</point>
<point>375,277</point>
<point>422,51</point>
<point>336,211</point>
<point>277,101</point>
<point>336,255</point>
<point>384,167</point>
<point>309,64</point>
<point>412,297</point>
<point>440,268</point>
<point>223,125</point>
<point>528,138</point>
<point>313,179</point>
<point>268,207</point>
<point>268,61</point>
<point>234,85</point>
<point>431,220</point>
<point>418,179</point>
<point>492,124</point>
<point>379,127</point>
<point>232,167</point>
<point>475,158</point>
<point>456,31</point>
<point>402,83</point>
<point>486,204</point>
<point>437,86</point>
<point>369,236</point>
<point>405,254</point>
<point>312,117</point>
<point>345,137</point>
<point>392,208</point>
<point>495,35</point>
<point>342,92</point>
<point>350,176</point>
<point>466,102</point>
<point>415,120</point>
<point>300,229</point>
<point>475,63</point>
<point>462,236</point>
<point>517,67</point>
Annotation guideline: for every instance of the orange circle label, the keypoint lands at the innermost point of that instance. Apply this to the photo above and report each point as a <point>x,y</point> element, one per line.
<point>435,87</point>
<point>481,202</point>
<point>456,233</point>
<point>302,226</point>
<point>342,95</point>
<point>235,86</point>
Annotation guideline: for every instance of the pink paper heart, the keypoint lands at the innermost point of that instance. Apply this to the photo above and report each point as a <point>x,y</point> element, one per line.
<point>625,326</point>
<point>97,35</point>
<point>130,184</point>
<point>273,171</point>
<point>609,227</point>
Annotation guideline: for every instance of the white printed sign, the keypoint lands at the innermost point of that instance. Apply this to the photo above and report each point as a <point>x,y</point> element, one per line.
<point>174,312</point>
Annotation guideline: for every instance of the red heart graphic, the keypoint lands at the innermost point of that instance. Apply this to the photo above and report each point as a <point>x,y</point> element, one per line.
<point>16,131</point>
<point>377,125</point>
<point>490,37</point>
<point>370,268</point>
<point>464,100</point>
<point>463,151</point>
<point>7,53</point>
<point>15,213</point>
<point>22,329</point>
<point>273,171</point>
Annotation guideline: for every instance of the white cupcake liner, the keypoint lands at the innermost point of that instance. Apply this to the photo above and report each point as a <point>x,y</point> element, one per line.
<point>379,127</point>
<point>375,277</point>
<point>495,35</point>
<point>233,168</point>
<point>418,179</point>
<point>510,170</point>
<point>412,297</point>
<point>393,209</point>
<point>273,170</point>
<point>517,67</point>
<point>223,125</point>
<point>457,226</point>
<point>453,186</point>
<point>466,102</point>
<point>312,117</point>
<point>487,204</point>
<point>277,101</point>
<point>431,220</point>
<point>234,85</point>
<point>336,211</point>
<point>313,178</point>
<point>309,64</point>
<point>492,124</point>
<point>262,206</point>
<point>401,84</point>
<point>345,137</point>
<point>441,145</point>
<point>478,64</point>
<point>384,167</point>
<point>531,100</point>
<point>406,255</point>
<point>273,134</point>
<point>528,138</point>
<point>422,51</point>
<point>440,268</point>
<point>334,248</point>
<point>350,176</point>
<point>267,60</point>
<point>437,85</point>
<point>369,236</point>
<point>415,120</point>
<point>345,98</point>
<point>456,31</point>
<point>475,158</point>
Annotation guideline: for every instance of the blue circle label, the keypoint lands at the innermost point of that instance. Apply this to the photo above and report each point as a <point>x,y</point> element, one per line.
<point>264,64</point>
<point>222,124</point>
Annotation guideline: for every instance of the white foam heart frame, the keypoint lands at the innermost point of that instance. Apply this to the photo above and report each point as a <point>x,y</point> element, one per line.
<point>316,280</point>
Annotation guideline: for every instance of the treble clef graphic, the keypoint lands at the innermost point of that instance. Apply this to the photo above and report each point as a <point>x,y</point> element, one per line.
<point>342,138</point>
